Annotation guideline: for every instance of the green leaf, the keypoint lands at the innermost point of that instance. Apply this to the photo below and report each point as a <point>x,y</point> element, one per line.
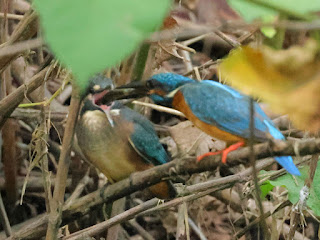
<point>252,10</point>
<point>88,36</point>
<point>294,187</point>
<point>265,188</point>
<point>269,32</point>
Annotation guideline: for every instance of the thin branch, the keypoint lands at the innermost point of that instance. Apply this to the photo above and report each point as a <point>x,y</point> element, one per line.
<point>263,223</point>
<point>43,149</point>
<point>25,29</point>
<point>10,102</point>
<point>148,207</point>
<point>34,114</point>
<point>21,47</point>
<point>203,66</point>
<point>240,233</point>
<point>159,108</point>
<point>118,207</point>
<point>63,167</point>
<point>96,229</point>
<point>181,227</point>
<point>4,218</point>
<point>145,235</point>
<point>196,229</point>
<point>78,190</point>
<point>11,16</point>
<point>233,43</point>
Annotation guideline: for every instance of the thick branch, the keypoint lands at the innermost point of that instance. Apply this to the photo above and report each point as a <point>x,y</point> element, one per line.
<point>63,167</point>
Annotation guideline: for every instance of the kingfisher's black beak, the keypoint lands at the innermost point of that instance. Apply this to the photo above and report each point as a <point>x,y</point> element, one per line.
<point>131,90</point>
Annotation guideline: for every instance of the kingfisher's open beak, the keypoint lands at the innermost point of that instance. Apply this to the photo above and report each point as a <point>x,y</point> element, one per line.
<point>131,90</point>
<point>98,86</point>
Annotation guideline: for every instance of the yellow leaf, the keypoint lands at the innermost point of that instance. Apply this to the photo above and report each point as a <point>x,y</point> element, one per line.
<point>289,80</point>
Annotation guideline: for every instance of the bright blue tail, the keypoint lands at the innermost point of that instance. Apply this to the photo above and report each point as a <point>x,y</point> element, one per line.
<point>285,161</point>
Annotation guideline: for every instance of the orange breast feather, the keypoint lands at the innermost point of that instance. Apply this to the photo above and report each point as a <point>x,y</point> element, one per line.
<point>180,104</point>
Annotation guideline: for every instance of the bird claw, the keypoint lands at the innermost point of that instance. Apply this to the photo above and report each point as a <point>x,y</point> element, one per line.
<point>224,152</point>
<point>208,154</point>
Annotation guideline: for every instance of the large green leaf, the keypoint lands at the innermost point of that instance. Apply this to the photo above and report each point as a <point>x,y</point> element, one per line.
<point>88,36</point>
<point>294,187</point>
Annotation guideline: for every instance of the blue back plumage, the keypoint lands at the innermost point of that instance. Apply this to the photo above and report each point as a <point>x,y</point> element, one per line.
<point>167,82</point>
<point>225,108</point>
<point>144,137</point>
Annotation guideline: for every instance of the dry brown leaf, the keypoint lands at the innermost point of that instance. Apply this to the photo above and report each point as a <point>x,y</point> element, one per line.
<point>192,140</point>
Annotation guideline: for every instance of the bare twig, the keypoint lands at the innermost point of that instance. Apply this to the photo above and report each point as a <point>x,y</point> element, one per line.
<point>94,230</point>
<point>203,66</point>
<point>240,233</point>
<point>137,211</point>
<point>21,47</point>
<point>117,208</point>
<point>184,47</point>
<point>34,114</point>
<point>10,102</point>
<point>159,108</point>
<point>263,223</point>
<point>187,60</point>
<point>4,218</point>
<point>145,235</point>
<point>196,230</point>
<point>9,159</point>
<point>12,16</point>
<point>63,167</point>
<point>195,39</point>
<point>181,228</point>
<point>238,177</point>
<point>232,42</point>
<point>26,29</point>
<point>78,190</point>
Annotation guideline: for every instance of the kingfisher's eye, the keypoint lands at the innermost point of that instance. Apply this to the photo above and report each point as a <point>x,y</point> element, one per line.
<point>150,84</point>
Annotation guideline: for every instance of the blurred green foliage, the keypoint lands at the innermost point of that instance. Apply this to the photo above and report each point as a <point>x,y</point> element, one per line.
<point>88,36</point>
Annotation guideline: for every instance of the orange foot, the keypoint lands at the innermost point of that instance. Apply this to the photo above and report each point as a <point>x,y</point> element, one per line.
<point>224,152</point>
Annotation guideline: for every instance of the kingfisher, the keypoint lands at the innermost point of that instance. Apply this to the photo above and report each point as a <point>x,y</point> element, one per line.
<point>215,108</point>
<point>120,141</point>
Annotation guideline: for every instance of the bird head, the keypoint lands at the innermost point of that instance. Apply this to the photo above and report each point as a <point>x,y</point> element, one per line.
<point>98,86</point>
<point>160,88</point>
<point>163,86</point>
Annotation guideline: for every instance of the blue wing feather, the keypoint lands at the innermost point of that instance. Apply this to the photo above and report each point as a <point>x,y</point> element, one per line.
<point>145,138</point>
<point>224,107</point>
